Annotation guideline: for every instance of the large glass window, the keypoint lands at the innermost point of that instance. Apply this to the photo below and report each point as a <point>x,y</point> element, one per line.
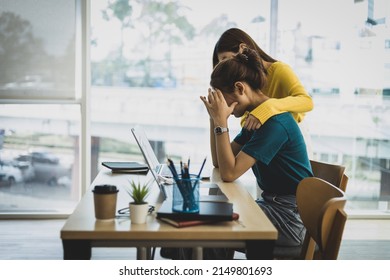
<point>151,60</point>
<point>40,112</point>
<point>39,158</point>
<point>343,61</point>
<point>37,53</point>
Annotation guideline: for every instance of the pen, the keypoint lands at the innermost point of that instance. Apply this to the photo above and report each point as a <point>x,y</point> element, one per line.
<point>201,168</point>
<point>200,172</point>
<point>171,166</point>
<point>186,174</point>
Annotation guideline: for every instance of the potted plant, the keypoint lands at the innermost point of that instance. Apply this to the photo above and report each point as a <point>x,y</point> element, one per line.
<point>138,207</point>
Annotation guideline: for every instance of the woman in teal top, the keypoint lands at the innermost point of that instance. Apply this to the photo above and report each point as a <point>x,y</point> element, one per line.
<point>279,150</point>
<point>276,152</point>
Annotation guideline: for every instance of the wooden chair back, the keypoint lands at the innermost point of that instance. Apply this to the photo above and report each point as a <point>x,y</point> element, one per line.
<point>331,173</point>
<point>344,183</point>
<point>321,206</point>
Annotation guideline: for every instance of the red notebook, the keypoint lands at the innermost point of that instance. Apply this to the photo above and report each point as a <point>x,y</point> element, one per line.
<point>180,223</point>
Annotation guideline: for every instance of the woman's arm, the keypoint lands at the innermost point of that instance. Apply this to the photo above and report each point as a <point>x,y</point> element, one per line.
<point>212,144</point>
<point>297,104</point>
<point>231,167</point>
<point>234,146</point>
<point>231,162</point>
<point>287,94</point>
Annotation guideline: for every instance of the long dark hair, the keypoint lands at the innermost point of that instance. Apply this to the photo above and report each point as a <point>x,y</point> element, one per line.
<point>230,41</point>
<point>244,67</point>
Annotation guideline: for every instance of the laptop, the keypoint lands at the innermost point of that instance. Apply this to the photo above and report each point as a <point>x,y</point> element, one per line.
<point>208,191</point>
<point>151,158</point>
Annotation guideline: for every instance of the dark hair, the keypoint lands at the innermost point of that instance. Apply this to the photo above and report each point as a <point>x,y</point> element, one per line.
<point>230,41</point>
<point>244,67</point>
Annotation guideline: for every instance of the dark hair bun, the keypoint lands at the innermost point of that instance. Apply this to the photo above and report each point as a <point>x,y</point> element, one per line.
<point>246,67</point>
<point>250,58</point>
<point>242,57</point>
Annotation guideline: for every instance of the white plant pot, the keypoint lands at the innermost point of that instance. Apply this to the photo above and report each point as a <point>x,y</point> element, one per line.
<point>138,213</point>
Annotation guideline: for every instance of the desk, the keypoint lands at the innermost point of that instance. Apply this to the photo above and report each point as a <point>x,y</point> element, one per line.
<point>81,231</point>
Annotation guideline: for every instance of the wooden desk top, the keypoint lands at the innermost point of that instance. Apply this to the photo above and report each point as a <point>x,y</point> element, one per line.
<point>252,224</point>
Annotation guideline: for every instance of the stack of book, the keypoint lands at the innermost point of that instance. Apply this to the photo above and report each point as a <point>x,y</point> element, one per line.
<point>209,213</point>
<point>184,222</point>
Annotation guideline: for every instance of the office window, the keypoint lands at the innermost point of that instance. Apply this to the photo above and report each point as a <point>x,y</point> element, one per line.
<point>39,158</point>
<point>151,62</point>
<point>335,58</point>
<point>39,108</point>
<point>37,53</point>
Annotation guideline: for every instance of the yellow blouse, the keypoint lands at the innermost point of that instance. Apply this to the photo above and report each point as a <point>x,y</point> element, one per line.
<point>286,93</point>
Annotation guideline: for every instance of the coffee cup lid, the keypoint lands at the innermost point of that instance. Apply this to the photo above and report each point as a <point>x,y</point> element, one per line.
<point>105,189</point>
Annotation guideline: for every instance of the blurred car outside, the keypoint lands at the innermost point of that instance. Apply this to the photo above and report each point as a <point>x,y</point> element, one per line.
<point>9,174</point>
<point>46,167</point>
<point>26,168</point>
<point>43,157</point>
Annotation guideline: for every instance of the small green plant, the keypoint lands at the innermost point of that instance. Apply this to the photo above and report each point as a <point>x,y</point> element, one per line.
<point>138,191</point>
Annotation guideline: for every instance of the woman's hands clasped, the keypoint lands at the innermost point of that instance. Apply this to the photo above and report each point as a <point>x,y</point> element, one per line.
<point>217,107</point>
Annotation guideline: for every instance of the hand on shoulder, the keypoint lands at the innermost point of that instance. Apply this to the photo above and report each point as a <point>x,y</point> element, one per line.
<point>251,123</point>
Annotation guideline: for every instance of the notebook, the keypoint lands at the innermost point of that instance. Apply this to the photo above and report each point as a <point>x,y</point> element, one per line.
<point>207,191</point>
<point>126,167</point>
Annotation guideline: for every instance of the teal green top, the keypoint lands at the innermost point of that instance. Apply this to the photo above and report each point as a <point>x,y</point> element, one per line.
<point>280,153</point>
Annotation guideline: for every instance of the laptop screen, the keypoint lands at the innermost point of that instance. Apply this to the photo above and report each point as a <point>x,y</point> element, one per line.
<point>145,147</point>
<point>149,155</point>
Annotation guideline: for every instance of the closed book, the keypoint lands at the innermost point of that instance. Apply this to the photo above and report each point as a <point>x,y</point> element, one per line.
<point>126,167</point>
<point>180,223</point>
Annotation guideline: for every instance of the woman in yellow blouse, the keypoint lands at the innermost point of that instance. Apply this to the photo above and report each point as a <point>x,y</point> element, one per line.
<point>286,92</point>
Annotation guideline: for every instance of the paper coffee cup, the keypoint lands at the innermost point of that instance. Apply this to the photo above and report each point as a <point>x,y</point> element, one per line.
<point>105,197</point>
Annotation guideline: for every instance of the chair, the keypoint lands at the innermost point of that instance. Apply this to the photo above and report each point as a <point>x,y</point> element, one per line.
<point>331,173</point>
<point>344,183</point>
<point>321,206</point>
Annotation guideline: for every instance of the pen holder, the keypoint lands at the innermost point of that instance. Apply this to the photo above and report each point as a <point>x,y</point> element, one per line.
<point>186,195</point>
